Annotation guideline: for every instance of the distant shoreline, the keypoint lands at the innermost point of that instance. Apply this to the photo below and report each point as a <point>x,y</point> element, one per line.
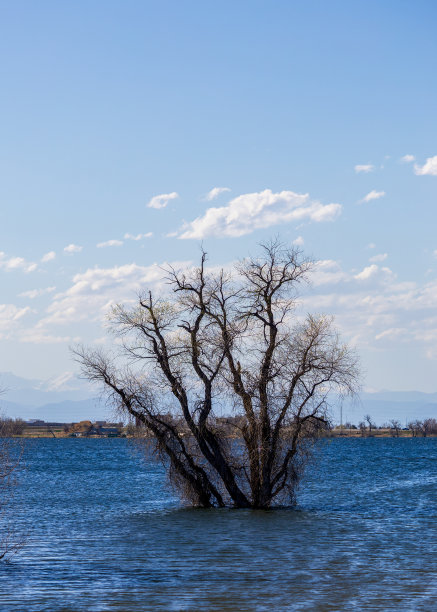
<point>334,433</point>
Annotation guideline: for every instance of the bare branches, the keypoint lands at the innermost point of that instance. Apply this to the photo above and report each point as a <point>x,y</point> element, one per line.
<point>228,344</point>
<point>10,463</point>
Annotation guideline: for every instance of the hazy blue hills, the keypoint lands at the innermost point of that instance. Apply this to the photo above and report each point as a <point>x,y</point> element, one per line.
<point>67,398</point>
<point>33,392</point>
<point>64,398</point>
<point>391,405</point>
<point>417,397</point>
<point>67,411</point>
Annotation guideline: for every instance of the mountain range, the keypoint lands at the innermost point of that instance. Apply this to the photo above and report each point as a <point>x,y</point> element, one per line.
<point>67,398</point>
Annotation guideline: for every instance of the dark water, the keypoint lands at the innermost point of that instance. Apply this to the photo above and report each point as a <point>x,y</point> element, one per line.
<point>104,533</point>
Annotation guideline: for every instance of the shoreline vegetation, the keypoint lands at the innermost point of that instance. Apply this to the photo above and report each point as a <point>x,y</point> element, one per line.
<point>18,428</point>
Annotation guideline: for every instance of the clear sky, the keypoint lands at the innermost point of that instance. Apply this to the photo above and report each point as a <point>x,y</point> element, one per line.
<point>132,131</point>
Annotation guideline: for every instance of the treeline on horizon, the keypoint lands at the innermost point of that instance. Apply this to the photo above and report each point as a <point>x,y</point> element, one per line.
<point>424,428</point>
<point>10,427</point>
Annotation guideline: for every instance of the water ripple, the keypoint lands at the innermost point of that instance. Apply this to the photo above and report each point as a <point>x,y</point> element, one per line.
<point>105,534</point>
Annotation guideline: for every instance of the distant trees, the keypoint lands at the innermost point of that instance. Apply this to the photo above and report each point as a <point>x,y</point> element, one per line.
<point>366,426</point>
<point>11,427</point>
<point>395,426</point>
<point>418,428</point>
<point>415,427</point>
<point>425,428</point>
<point>429,427</point>
<point>370,424</point>
<point>349,425</point>
<point>228,343</point>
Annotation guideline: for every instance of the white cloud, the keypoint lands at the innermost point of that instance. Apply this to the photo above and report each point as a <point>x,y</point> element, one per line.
<point>36,336</point>
<point>34,293</point>
<point>392,333</point>
<point>373,195</point>
<point>16,263</point>
<point>252,211</point>
<point>372,271</point>
<point>364,168</point>
<point>371,245</point>
<point>328,271</point>
<point>94,291</point>
<point>407,159</point>
<point>368,272</point>
<point>161,201</point>
<point>299,241</point>
<point>215,192</point>
<point>378,258</point>
<point>429,167</point>
<point>109,243</point>
<point>138,236</point>
<point>48,256</point>
<point>9,317</point>
<point>72,248</point>
<point>370,306</point>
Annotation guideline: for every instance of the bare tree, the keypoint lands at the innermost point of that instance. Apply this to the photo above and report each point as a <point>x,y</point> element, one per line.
<point>10,462</point>
<point>416,427</point>
<point>225,346</point>
<point>11,452</point>
<point>11,427</point>
<point>371,425</point>
<point>396,427</point>
<point>429,427</point>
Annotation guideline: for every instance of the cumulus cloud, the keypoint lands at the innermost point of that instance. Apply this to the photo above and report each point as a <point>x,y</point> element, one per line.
<point>369,305</point>
<point>248,212</point>
<point>407,159</point>
<point>378,258</point>
<point>328,272</point>
<point>94,291</point>
<point>16,263</point>
<point>161,201</point>
<point>215,192</point>
<point>34,293</point>
<point>373,271</point>
<point>72,248</point>
<point>364,168</point>
<point>429,167</point>
<point>48,256</point>
<point>368,272</point>
<point>299,241</point>
<point>373,195</point>
<point>109,243</point>
<point>138,236</point>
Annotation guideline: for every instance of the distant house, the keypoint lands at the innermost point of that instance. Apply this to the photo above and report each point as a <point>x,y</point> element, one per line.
<point>105,432</point>
<point>110,432</point>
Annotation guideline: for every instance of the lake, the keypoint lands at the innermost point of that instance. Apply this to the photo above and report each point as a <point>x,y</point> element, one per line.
<point>104,533</point>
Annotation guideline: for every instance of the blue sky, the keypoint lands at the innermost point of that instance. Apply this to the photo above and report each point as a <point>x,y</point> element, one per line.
<point>303,112</point>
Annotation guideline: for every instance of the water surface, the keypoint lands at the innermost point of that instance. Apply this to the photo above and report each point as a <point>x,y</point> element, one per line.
<point>105,533</point>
